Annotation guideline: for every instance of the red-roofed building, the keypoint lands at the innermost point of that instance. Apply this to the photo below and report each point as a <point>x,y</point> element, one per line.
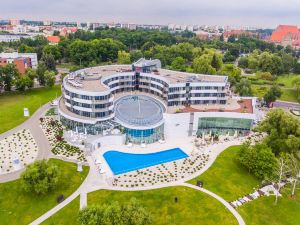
<point>53,40</point>
<point>286,35</point>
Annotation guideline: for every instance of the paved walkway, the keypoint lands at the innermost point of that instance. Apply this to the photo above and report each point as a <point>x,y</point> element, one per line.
<point>33,125</point>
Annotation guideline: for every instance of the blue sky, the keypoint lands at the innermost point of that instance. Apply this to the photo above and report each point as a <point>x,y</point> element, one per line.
<point>264,13</point>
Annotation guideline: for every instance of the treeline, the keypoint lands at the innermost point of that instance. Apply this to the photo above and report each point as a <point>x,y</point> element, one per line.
<point>278,63</point>
<point>177,51</point>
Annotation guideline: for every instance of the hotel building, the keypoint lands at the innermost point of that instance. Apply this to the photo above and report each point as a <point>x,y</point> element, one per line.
<point>145,102</point>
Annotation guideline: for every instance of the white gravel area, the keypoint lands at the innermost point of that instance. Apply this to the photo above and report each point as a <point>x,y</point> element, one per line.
<point>18,146</point>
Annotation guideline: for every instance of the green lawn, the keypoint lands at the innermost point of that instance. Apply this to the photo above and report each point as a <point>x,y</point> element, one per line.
<point>287,80</point>
<point>17,207</point>
<point>67,215</point>
<point>12,104</point>
<point>289,95</point>
<point>262,211</point>
<point>227,178</point>
<point>193,207</point>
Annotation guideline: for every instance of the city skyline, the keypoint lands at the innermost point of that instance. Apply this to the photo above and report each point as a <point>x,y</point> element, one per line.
<point>267,14</point>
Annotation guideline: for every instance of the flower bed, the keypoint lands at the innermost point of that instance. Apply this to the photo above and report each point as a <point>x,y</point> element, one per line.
<point>54,133</point>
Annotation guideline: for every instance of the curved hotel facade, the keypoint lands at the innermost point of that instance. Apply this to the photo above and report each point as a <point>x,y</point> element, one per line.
<point>135,98</point>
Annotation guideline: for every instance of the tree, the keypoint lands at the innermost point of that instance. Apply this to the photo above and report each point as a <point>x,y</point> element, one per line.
<point>40,177</point>
<point>22,82</point>
<point>216,62</point>
<point>280,173</point>
<point>52,50</point>
<point>283,131</point>
<point>264,75</point>
<point>179,64</point>
<point>8,74</point>
<point>272,94</point>
<point>82,52</point>
<point>202,65</point>
<point>31,74</point>
<point>233,72</point>
<point>49,78</point>
<point>25,49</point>
<point>135,55</point>
<point>123,57</point>
<point>128,214</point>
<point>294,167</point>
<point>243,62</point>
<point>243,87</point>
<point>297,68</point>
<point>40,72</point>
<point>49,61</point>
<point>258,159</point>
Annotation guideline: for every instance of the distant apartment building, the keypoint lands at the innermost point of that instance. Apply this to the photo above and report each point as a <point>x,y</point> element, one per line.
<point>238,33</point>
<point>22,61</point>
<point>12,37</point>
<point>286,35</point>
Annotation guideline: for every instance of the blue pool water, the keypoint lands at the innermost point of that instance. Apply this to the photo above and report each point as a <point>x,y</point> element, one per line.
<point>120,162</point>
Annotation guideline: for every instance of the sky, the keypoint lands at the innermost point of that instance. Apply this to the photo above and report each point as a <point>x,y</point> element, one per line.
<point>257,13</point>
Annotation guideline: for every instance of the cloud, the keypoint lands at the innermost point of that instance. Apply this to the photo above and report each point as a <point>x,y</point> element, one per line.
<point>230,12</point>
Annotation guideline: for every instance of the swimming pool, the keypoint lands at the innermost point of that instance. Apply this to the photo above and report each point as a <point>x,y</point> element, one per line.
<point>121,162</point>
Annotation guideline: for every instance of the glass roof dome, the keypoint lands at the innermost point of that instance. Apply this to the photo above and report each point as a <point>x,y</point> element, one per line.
<point>139,111</point>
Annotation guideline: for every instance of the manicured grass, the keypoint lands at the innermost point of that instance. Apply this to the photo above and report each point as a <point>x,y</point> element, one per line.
<point>67,215</point>
<point>18,207</point>
<point>12,104</point>
<point>193,207</point>
<point>227,177</point>
<point>263,211</point>
<point>287,80</point>
<point>289,95</point>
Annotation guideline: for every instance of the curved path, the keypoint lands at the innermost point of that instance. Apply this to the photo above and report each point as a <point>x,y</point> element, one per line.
<point>94,181</point>
<point>32,124</point>
<point>220,199</point>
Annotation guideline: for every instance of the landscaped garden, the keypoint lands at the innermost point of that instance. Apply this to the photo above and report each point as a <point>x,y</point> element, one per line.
<point>13,103</point>
<point>20,207</point>
<point>163,173</point>
<point>227,177</point>
<point>53,130</point>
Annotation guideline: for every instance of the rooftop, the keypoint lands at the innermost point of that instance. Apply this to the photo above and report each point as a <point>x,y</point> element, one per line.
<point>181,77</point>
<point>93,76</point>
